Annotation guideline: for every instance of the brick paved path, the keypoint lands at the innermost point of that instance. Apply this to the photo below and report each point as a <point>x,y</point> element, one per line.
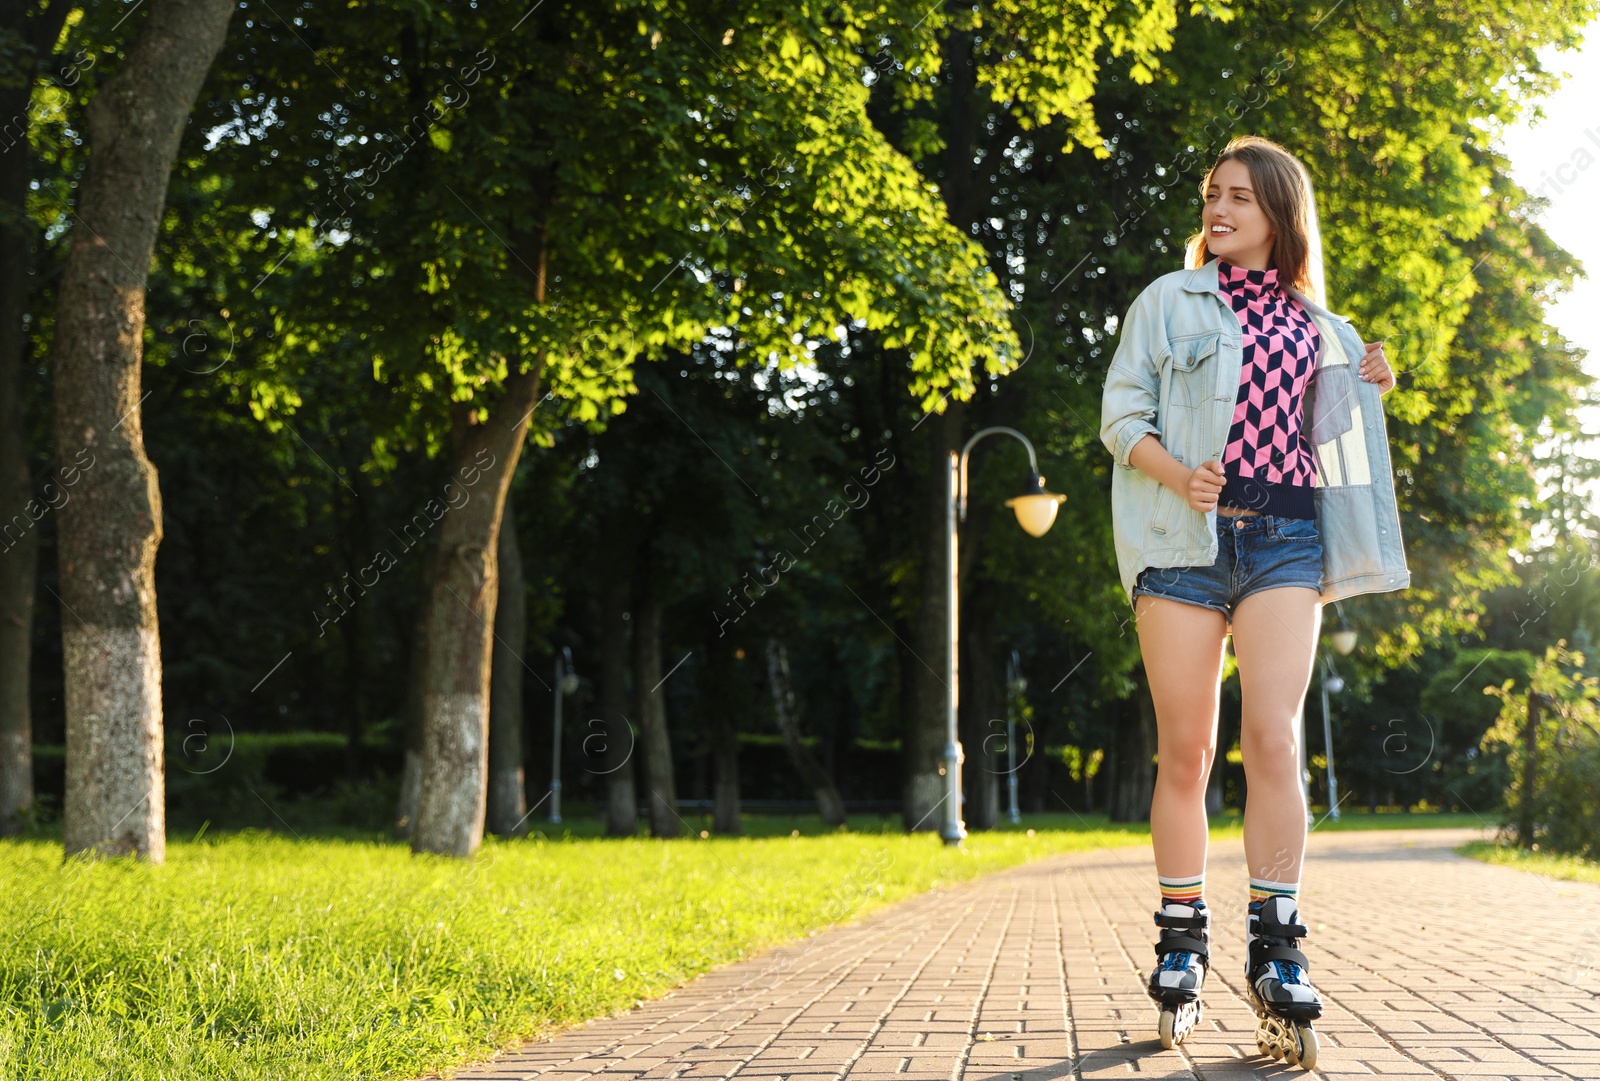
<point>1432,966</point>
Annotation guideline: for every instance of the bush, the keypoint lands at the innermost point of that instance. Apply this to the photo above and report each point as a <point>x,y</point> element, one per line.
<point>1464,772</point>
<point>864,770</point>
<point>231,778</point>
<point>1561,808</point>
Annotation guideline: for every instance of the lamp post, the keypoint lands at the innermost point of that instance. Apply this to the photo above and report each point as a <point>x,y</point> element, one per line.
<point>1344,640</point>
<point>1015,686</point>
<point>1036,510</point>
<point>566,683</point>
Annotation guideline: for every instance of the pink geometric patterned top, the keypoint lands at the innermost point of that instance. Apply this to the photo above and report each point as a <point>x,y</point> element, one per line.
<point>1267,464</point>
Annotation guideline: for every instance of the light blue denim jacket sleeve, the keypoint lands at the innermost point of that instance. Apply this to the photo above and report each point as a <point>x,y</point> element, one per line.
<point>1132,389</point>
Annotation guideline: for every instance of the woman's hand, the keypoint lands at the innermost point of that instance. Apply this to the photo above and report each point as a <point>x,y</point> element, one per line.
<point>1205,485</point>
<point>1375,368</point>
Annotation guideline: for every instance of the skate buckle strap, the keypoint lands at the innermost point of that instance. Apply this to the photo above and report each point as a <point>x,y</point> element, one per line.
<point>1266,927</point>
<point>1183,923</point>
<point>1173,943</point>
<point>1261,953</point>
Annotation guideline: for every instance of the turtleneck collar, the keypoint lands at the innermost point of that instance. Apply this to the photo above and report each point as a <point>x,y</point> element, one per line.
<point>1238,279</point>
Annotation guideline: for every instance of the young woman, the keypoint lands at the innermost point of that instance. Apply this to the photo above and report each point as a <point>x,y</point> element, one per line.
<point>1254,486</point>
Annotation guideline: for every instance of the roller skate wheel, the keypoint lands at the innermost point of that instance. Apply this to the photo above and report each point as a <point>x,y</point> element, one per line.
<point>1306,1047</point>
<point>1167,1026</point>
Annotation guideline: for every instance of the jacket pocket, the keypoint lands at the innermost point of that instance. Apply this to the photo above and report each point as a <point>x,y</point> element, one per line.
<point>1333,403</point>
<point>1194,371</point>
<point>1347,517</point>
<point>1161,510</point>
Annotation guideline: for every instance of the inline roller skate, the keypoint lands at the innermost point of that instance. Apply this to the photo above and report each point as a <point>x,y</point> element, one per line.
<point>1183,953</point>
<point>1282,997</point>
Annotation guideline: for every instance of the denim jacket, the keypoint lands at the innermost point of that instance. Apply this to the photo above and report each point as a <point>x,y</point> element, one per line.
<point>1176,375</point>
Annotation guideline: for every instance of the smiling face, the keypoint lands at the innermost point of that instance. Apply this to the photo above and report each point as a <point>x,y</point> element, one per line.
<point>1235,226</point>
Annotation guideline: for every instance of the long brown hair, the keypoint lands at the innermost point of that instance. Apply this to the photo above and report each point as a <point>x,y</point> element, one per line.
<point>1283,188</point>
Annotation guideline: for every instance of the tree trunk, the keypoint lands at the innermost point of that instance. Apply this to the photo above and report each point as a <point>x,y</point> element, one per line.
<point>1033,779</point>
<point>453,799</point>
<point>405,813</point>
<point>1135,752</point>
<point>508,803</point>
<point>110,529</point>
<point>925,725</point>
<point>1530,764</point>
<point>19,556</point>
<point>700,781</point>
<point>924,709</point>
<point>19,543</point>
<point>620,740</point>
<point>725,698</point>
<point>1214,791</point>
<point>357,635</point>
<point>983,707</point>
<point>846,716</point>
<point>829,804</point>
<point>1216,788</point>
<point>650,703</point>
<point>725,809</point>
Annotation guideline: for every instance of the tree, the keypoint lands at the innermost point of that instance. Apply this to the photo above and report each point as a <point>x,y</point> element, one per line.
<point>1454,713</point>
<point>382,292</point>
<point>1548,729</point>
<point>1132,776</point>
<point>1394,157</point>
<point>405,813</point>
<point>829,804</point>
<point>618,738</point>
<point>671,507</point>
<point>649,700</point>
<point>508,802</point>
<point>1006,73</point>
<point>110,530</point>
<point>726,701</point>
<point>463,594</point>
<point>792,216</point>
<point>27,39</point>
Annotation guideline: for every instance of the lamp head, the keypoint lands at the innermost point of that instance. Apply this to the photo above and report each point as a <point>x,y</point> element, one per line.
<point>567,679</point>
<point>1036,508</point>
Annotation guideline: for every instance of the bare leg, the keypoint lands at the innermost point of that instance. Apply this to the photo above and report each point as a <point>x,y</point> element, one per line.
<point>1182,648</point>
<point>1274,637</point>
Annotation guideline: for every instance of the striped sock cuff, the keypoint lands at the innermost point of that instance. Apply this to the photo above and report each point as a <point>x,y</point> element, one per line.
<point>1182,890</point>
<point>1261,889</point>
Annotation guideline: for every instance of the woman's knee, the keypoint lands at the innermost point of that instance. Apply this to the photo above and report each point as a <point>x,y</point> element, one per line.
<point>1269,752</point>
<point>1186,761</point>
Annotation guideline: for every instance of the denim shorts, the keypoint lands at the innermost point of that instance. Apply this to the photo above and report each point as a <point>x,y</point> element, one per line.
<point>1254,552</point>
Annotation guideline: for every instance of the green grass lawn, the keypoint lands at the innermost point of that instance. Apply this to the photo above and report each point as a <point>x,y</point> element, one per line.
<point>1232,824</point>
<point>252,955</point>
<point>1572,868</point>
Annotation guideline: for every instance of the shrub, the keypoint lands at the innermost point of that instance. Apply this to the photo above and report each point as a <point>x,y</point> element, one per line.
<point>1560,810</point>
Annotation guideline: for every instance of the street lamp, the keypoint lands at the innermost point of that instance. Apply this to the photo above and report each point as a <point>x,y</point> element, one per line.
<point>566,683</point>
<point>1015,686</point>
<point>1343,640</point>
<point>1035,509</point>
